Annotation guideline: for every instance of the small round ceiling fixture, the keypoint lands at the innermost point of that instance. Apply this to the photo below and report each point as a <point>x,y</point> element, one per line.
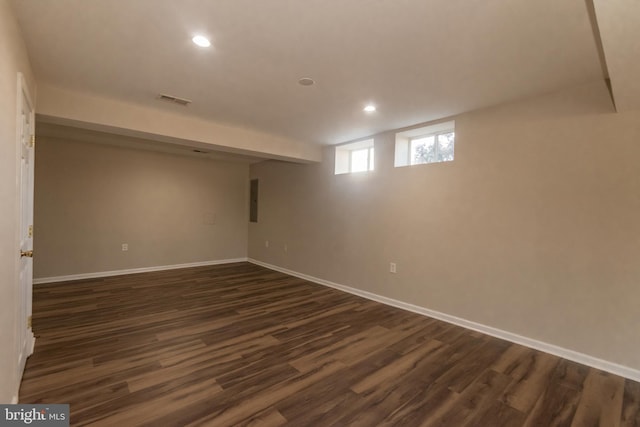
<point>201,41</point>
<point>306,81</point>
<point>369,108</point>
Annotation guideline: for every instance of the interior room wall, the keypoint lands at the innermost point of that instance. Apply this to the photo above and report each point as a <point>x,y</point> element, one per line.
<point>532,229</point>
<point>14,59</point>
<point>90,199</point>
<point>124,118</point>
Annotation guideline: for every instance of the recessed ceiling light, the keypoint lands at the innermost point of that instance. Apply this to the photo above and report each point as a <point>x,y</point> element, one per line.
<point>306,81</point>
<point>201,41</point>
<point>370,108</point>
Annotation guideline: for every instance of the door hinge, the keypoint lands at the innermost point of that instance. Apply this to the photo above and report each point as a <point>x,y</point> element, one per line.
<point>29,321</point>
<point>32,141</point>
<point>31,231</point>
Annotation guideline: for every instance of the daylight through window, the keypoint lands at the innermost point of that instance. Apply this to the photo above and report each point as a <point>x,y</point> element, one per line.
<point>355,157</point>
<point>432,148</point>
<point>429,144</point>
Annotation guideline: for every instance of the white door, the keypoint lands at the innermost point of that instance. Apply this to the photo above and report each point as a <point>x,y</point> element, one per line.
<point>26,149</point>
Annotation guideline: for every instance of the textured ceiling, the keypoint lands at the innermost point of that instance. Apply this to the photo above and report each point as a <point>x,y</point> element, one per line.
<point>417,60</point>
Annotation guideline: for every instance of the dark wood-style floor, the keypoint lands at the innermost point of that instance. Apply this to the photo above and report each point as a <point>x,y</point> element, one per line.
<point>239,344</point>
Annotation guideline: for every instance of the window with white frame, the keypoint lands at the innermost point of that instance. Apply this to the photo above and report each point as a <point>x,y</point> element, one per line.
<point>355,157</point>
<point>429,144</point>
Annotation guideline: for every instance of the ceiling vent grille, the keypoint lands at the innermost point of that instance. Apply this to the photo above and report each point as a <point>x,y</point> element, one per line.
<point>180,101</point>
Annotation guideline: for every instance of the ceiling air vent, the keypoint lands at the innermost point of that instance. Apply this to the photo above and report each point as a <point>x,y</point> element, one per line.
<point>180,101</point>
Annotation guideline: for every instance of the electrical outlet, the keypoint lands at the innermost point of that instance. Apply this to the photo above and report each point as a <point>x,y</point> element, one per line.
<point>266,243</point>
<point>125,247</point>
<point>392,267</point>
<point>286,248</point>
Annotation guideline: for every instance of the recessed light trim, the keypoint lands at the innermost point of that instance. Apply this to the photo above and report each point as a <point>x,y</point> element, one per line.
<point>306,81</point>
<point>369,108</point>
<point>201,41</point>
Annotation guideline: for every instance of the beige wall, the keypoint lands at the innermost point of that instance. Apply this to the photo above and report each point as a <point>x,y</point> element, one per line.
<point>533,229</point>
<point>13,59</point>
<point>98,113</point>
<point>92,198</point>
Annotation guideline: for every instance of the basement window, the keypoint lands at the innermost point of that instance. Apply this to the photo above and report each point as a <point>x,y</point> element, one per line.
<point>429,144</point>
<point>355,157</point>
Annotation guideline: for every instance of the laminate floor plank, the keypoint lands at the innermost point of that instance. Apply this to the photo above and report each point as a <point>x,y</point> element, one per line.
<point>475,400</point>
<point>631,405</point>
<point>601,400</point>
<point>240,345</point>
<point>529,384</point>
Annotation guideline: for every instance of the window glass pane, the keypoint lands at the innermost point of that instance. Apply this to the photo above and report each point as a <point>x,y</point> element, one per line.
<point>359,160</point>
<point>347,163</point>
<point>423,150</point>
<point>371,159</point>
<point>445,147</point>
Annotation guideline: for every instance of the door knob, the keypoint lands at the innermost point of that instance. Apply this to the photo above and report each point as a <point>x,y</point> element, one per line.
<point>28,254</point>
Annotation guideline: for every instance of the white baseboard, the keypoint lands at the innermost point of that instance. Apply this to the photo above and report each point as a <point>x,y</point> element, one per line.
<point>29,346</point>
<point>32,344</point>
<point>132,271</point>
<point>585,359</point>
